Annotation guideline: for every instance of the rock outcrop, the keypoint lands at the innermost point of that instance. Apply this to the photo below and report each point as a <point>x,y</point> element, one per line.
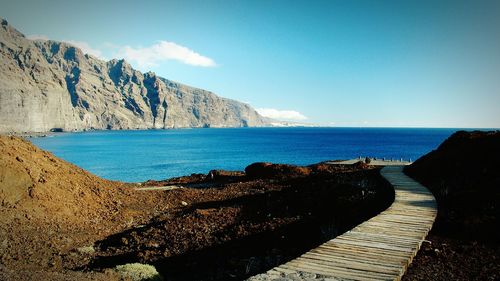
<point>464,176</point>
<point>49,85</point>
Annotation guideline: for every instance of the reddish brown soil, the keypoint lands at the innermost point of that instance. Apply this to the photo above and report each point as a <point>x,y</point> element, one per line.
<point>447,258</point>
<point>222,226</point>
<point>271,219</point>
<point>464,176</point>
<point>49,206</point>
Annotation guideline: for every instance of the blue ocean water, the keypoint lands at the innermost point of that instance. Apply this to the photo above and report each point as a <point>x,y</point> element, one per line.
<point>159,154</point>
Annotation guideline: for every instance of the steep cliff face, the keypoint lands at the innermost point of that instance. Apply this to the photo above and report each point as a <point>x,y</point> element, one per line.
<point>46,85</point>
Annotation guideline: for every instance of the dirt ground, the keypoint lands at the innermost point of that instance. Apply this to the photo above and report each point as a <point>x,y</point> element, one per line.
<point>60,222</point>
<point>446,258</point>
<point>49,206</point>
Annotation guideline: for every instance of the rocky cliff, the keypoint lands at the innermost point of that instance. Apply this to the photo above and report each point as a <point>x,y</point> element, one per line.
<point>48,85</point>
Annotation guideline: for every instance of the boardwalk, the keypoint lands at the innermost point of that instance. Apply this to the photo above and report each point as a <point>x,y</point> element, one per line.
<point>378,249</point>
<point>374,162</point>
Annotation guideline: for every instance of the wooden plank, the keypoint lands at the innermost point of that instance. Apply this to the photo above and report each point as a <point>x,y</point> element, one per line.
<point>349,274</point>
<point>375,245</point>
<point>365,260</point>
<point>360,249</point>
<point>360,252</point>
<point>359,268</point>
<point>382,235</point>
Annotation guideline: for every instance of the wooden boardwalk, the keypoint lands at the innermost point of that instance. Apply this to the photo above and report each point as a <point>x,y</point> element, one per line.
<point>378,249</point>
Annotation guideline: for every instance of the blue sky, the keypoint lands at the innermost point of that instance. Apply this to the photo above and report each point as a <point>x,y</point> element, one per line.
<point>342,63</point>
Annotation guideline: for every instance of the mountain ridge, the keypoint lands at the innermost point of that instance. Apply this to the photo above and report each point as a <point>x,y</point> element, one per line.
<point>48,85</point>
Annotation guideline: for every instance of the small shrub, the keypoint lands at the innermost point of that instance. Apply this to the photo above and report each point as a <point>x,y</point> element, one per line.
<point>86,250</point>
<point>368,160</point>
<point>139,272</point>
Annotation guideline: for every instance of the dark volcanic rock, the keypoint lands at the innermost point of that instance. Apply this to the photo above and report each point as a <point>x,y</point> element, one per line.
<point>267,170</point>
<point>464,175</point>
<point>221,175</point>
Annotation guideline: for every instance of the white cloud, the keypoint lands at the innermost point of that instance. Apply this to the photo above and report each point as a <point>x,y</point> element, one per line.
<point>143,57</point>
<point>85,47</point>
<point>162,51</point>
<point>38,37</point>
<point>286,115</point>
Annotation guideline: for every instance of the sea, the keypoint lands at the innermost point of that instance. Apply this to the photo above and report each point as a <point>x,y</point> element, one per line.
<point>136,156</point>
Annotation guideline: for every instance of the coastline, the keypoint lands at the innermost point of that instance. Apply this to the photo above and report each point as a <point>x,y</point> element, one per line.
<point>176,229</point>
<point>259,204</point>
<point>157,154</point>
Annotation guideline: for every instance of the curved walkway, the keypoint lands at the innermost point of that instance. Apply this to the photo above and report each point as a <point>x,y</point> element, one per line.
<point>381,248</point>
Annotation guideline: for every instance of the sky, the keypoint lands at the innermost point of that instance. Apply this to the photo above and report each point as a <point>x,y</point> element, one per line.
<point>332,63</point>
